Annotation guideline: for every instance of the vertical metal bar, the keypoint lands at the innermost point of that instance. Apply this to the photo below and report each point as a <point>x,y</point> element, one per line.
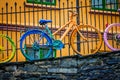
<point>119,13</point>
<point>16,31</point>
<point>29,20</point>
<point>34,25</point>
<point>64,19</point>
<point>82,14</point>
<point>55,20</point>
<point>7,27</point>
<point>81,11</point>
<point>68,37</point>
<point>51,15</point>
<point>94,25</point>
<point>77,9</point>
<point>78,22</point>
<point>20,21</point>
<point>116,22</point>
<point>113,43</point>
<point>68,25</point>
<point>2,31</point>
<point>42,10</point>
<point>24,17</point>
<point>51,24</point>
<point>86,10</point>
<point>37,15</point>
<point>33,15</point>
<point>87,23</point>
<point>25,29</point>
<point>42,13</point>
<point>11,21</point>
<point>2,15</point>
<point>95,21</point>
<point>46,11</point>
<point>91,22</point>
<point>29,16</point>
<point>99,17</point>
<point>103,23</point>
<point>60,21</point>
<point>20,30</point>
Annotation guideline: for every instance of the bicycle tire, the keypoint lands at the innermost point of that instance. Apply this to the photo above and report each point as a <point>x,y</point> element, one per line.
<point>42,35</point>
<point>13,49</point>
<point>83,47</point>
<point>111,42</point>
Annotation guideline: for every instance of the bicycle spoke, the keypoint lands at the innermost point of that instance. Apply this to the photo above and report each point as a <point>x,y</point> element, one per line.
<point>31,39</point>
<point>40,38</point>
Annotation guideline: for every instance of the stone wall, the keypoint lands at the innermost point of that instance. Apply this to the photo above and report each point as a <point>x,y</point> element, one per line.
<point>105,66</point>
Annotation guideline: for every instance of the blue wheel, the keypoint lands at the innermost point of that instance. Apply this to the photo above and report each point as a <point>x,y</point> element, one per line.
<point>32,41</point>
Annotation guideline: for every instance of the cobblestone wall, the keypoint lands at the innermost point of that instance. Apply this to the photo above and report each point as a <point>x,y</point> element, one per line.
<point>97,67</point>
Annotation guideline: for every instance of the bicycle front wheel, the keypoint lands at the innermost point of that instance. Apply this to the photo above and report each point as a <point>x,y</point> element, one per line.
<point>112,36</point>
<point>7,49</point>
<point>87,44</point>
<point>32,42</point>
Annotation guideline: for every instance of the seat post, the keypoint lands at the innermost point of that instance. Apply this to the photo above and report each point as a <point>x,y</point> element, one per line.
<point>48,31</point>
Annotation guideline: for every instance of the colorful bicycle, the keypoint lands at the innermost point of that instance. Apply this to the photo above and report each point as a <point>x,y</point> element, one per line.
<point>7,51</point>
<point>84,39</point>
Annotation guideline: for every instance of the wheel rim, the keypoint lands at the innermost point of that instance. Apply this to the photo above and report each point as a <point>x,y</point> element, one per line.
<point>89,47</point>
<point>8,50</point>
<point>38,37</point>
<point>109,36</point>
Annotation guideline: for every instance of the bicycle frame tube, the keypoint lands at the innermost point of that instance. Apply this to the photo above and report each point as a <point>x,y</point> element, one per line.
<point>61,27</point>
<point>48,30</point>
<point>80,33</point>
<point>67,30</point>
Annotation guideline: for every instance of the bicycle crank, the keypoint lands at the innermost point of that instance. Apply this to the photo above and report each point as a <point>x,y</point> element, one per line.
<point>57,44</point>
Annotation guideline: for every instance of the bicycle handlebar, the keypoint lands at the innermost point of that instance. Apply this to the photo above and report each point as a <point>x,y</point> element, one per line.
<point>74,13</point>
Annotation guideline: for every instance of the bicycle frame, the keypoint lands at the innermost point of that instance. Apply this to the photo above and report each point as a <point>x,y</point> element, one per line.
<point>71,21</point>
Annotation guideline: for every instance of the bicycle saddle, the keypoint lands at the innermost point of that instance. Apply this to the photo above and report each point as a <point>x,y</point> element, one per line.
<point>43,22</point>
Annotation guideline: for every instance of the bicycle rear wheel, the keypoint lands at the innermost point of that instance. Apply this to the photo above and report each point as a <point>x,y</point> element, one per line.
<point>112,36</point>
<point>86,47</point>
<point>7,49</point>
<point>32,41</point>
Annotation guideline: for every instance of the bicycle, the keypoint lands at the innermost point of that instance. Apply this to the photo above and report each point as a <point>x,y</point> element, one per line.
<point>7,52</point>
<point>82,36</point>
<point>112,36</point>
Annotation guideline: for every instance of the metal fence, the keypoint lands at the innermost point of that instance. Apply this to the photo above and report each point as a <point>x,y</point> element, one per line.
<point>17,18</point>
